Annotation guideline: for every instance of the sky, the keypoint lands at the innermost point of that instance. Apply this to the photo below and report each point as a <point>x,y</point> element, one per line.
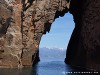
<point>60,33</point>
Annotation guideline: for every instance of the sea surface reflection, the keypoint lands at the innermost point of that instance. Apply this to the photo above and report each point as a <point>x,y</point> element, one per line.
<point>43,68</point>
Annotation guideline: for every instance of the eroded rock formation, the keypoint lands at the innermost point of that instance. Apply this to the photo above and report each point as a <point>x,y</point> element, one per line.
<point>10,34</point>
<point>23,22</point>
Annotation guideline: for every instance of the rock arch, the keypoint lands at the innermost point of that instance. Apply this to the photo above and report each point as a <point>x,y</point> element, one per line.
<point>29,24</point>
<point>31,21</point>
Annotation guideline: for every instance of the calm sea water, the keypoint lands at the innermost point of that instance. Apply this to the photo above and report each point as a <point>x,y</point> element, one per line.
<point>52,63</point>
<point>44,68</point>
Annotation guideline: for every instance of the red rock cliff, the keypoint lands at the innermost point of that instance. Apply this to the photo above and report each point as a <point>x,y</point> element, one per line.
<point>22,24</point>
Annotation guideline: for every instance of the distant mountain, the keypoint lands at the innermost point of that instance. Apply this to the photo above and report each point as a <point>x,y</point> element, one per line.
<point>52,53</point>
<point>46,48</point>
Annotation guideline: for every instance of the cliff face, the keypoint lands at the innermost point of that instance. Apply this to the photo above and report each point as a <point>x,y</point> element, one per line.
<point>22,24</point>
<point>84,46</point>
<point>10,35</point>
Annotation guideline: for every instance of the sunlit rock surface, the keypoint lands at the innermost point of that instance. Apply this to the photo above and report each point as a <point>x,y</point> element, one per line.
<point>22,23</point>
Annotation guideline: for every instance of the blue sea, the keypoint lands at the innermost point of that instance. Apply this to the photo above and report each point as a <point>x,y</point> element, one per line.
<point>47,68</point>
<point>50,64</point>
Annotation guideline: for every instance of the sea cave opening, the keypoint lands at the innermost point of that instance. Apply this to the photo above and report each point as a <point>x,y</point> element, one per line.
<point>53,45</point>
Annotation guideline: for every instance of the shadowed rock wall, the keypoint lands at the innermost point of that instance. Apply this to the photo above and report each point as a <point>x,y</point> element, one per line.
<point>84,46</point>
